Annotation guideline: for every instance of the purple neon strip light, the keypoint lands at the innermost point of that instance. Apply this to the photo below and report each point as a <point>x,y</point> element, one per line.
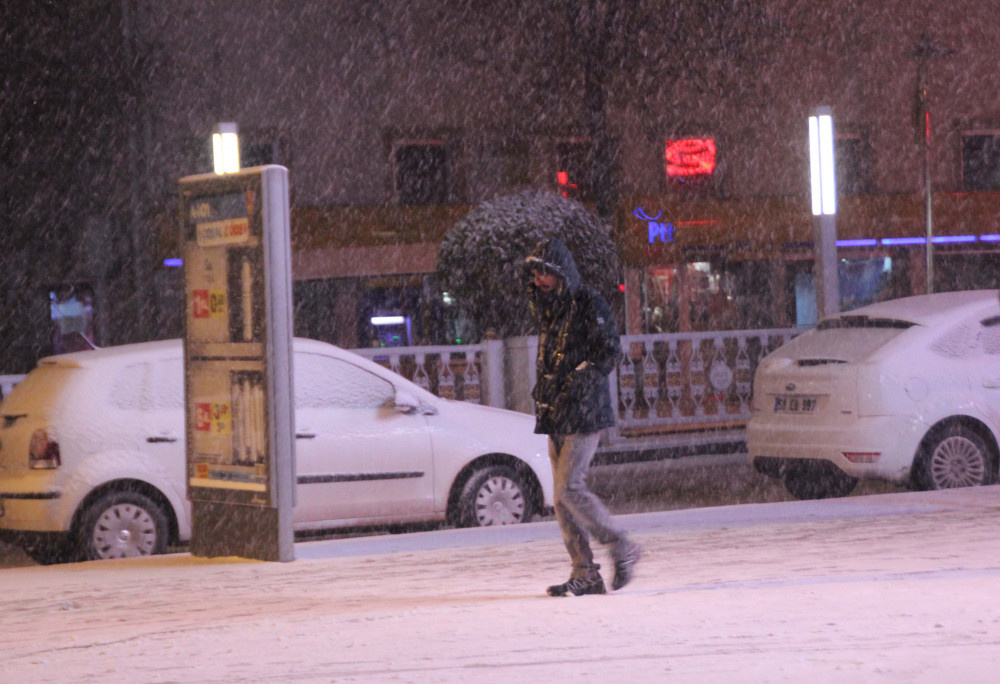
<point>945,239</point>
<point>857,243</point>
<point>904,241</point>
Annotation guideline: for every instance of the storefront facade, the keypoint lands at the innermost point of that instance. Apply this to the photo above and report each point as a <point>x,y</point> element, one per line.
<point>688,266</point>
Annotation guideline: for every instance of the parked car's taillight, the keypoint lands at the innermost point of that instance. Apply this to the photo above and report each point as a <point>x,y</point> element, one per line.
<point>43,451</point>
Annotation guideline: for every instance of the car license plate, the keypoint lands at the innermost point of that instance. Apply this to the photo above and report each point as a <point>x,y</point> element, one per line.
<point>794,404</point>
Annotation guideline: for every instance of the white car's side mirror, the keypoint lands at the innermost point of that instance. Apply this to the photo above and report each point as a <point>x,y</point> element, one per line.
<point>406,403</point>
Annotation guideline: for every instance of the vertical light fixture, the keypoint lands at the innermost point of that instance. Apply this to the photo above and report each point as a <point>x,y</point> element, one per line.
<point>822,169</point>
<point>823,183</point>
<point>226,148</point>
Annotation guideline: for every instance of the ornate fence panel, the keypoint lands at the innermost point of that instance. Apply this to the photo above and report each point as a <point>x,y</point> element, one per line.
<point>664,383</point>
<point>690,381</point>
<point>452,372</point>
<point>681,382</point>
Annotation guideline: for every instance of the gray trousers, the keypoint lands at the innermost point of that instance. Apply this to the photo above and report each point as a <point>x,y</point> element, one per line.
<point>580,513</point>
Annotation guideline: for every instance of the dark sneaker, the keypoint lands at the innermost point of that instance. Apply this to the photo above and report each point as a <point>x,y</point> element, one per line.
<point>578,586</point>
<point>625,562</point>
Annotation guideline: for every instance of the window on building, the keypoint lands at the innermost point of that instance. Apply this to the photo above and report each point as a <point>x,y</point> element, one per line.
<point>497,166</point>
<point>514,160</point>
<point>981,160</point>
<point>423,173</point>
<point>258,148</point>
<point>72,312</point>
<point>853,158</point>
<point>574,169</point>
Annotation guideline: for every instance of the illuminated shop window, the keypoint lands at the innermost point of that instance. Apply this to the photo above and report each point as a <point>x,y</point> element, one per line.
<point>981,160</point>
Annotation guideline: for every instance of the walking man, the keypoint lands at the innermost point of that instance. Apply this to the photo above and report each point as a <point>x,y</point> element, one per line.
<point>578,346</point>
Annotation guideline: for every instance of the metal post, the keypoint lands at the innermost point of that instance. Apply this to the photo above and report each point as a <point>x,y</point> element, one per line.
<point>825,254</point>
<point>924,51</point>
<point>927,206</point>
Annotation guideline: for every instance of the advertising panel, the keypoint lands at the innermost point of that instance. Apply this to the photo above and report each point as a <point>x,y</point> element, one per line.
<point>238,346</point>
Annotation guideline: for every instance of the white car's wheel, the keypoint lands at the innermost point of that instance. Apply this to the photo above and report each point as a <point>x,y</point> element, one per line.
<point>956,457</point>
<point>494,495</point>
<point>123,525</point>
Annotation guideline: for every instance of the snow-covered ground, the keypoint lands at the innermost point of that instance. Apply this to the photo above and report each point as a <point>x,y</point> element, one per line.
<point>894,587</point>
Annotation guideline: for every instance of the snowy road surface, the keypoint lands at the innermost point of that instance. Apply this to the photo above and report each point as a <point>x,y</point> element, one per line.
<point>895,587</point>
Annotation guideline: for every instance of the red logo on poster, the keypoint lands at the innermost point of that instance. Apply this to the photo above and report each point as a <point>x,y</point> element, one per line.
<point>202,416</point>
<point>690,157</point>
<point>200,304</point>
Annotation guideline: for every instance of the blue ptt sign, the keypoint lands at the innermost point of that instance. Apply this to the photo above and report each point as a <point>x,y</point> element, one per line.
<point>658,230</point>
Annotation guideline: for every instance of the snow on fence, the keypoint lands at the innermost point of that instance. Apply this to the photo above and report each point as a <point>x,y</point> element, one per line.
<point>679,381</point>
<point>664,383</point>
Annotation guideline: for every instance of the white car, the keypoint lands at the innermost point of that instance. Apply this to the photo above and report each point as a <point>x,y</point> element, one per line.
<point>906,390</point>
<point>92,456</point>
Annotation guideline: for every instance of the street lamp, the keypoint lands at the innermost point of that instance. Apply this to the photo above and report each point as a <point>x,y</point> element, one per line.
<point>823,182</point>
<point>226,148</point>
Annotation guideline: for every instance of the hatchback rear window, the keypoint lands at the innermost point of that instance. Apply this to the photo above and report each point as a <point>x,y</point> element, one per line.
<point>825,345</point>
<point>40,392</point>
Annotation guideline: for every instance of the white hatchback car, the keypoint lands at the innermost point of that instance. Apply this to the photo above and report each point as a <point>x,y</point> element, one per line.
<point>906,390</point>
<point>92,457</point>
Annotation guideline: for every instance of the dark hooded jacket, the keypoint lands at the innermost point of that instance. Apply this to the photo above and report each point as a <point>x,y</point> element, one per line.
<point>578,346</point>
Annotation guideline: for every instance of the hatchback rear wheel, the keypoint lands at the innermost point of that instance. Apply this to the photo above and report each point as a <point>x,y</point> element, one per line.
<point>955,456</point>
<point>123,524</point>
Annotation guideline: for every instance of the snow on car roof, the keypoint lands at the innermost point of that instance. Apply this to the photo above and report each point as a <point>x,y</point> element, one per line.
<point>932,309</point>
<point>144,351</point>
<point>119,353</point>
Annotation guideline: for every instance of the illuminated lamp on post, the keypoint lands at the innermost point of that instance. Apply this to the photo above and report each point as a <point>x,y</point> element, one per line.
<point>226,148</point>
<point>823,183</point>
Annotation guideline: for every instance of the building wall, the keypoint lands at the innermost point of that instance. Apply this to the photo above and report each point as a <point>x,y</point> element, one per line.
<point>342,85</point>
<point>331,88</point>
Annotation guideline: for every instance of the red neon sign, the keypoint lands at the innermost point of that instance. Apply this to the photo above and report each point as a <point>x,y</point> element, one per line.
<point>690,157</point>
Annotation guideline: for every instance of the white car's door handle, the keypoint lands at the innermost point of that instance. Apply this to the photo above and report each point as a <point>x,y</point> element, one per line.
<point>991,384</point>
<point>161,439</point>
<point>305,435</point>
